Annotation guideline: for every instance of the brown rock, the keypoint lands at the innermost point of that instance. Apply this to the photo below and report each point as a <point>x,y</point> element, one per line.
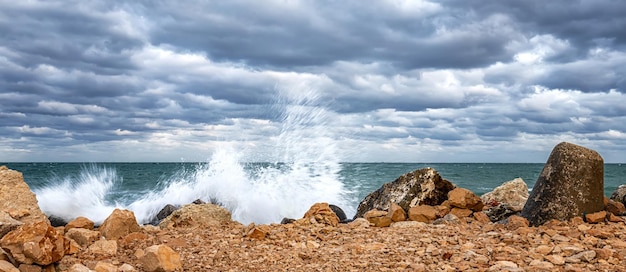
<point>378,218</point>
<point>322,214</point>
<point>29,268</point>
<point>79,268</point>
<point>619,194</point>
<point>465,199</point>
<point>7,267</point>
<point>442,210</point>
<point>396,213</point>
<point>514,193</point>
<point>596,217</point>
<point>103,247</point>
<point>423,213</point>
<point>119,224</point>
<point>359,223</point>
<point>614,218</point>
<point>258,232</point>
<point>134,236</point>
<point>128,267</point>
<point>603,253</point>
<point>514,222</point>
<point>423,186</point>
<point>614,207</point>
<point>72,247</point>
<point>105,267</point>
<point>83,237</point>
<point>461,213</point>
<point>571,184</point>
<point>17,199</point>
<point>36,242</point>
<point>79,222</point>
<point>160,258</point>
<point>199,215</point>
<point>7,223</point>
<point>481,217</point>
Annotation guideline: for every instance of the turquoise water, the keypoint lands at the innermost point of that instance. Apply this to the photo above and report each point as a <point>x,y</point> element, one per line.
<point>259,192</point>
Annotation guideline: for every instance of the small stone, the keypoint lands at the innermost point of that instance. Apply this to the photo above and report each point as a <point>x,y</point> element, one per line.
<point>359,223</point>
<point>119,224</point>
<point>160,258</point>
<point>603,253</point>
<point>514,222</point>
<point>258,232</point>
<point>84,237</point>
<point>378,218</point>
<point>465,199</point>
<point>105,267</point>
<point>79,222</point>
<point>555,259</point>
<point>614,207</point>
<point>396,213</point>
<point>104,247</point>
<point>481,217</point>
<point>544,249</point>
<point>407,224</point>
<point>126,268</point>
<point>423,213</point>
<point>503,266</point>
<point>7,267</point>
<point>543,265</point>
<point>596,217</point>
<point>461,213</point>
<point>79,268</point>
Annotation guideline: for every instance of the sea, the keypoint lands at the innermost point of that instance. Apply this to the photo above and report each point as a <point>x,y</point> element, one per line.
<point>253,192</point>
<point>306,168</point>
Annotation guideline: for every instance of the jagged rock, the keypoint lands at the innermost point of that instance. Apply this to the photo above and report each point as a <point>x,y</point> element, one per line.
<point>7,223</point>
<point>514,193</point>
<point>396,213</point>
<point>198,201</point>
<point>83,237</point>
<point>196,215</point>
<point>17,199</point>
<point>481,217</point>
<point>79,222</point>
<point>166,211</point>
<point>571,184</point>
<point>464,199</point>
<point>423,213</point>
<point>461,213</point>
<point>257,231</point>
<point>596,217</point>
<point>514,222</point>
<point>160,258</point>
<point>7,267</point>
<point>423,186</point>
<point>339,212</point>
<point>36,242</point>
<point>119,224</point>
<point>322,213</point>
<point>378,218</point>
<point>619,194</point>
<point>103,247</point>
<point>614,207</point>
<point>499,212</point>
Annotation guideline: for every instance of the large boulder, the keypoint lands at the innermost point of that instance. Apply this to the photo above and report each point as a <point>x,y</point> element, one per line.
<point>420,187</point>
<point>571,184</point>
<point>514,193</point>
<point>197,215</point>
<point>119,224</point>
<point>37,242</point>
<point>17,199</point>
<point>322,213</point>
<point>160,258</point>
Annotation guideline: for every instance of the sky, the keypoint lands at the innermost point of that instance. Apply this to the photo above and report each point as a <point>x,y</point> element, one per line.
<point>371,81</point>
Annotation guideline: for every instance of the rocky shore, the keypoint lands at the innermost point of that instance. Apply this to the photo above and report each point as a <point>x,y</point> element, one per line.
<point>420,222</point>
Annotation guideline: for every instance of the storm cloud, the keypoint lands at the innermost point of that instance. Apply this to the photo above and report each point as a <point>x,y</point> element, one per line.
<point>427,81</point>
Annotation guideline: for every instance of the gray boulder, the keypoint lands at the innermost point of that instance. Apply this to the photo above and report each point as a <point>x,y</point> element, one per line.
<point>514,193</point>
<point>571,184</point>
<point>420,187</point>
<point>619,194</point>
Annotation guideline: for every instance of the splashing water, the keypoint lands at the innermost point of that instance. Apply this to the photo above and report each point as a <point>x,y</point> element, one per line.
<point>305,172</point>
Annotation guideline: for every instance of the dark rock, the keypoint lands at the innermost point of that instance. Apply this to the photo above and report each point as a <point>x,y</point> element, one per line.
<point>420,187</point>
<point>57,221</point>
<point>619,194</point>
<point>571,184</point>
<point>499,212</point>
<point>166,211</point>
<point>287,220</point>
<point>198,201</point>
<point>339,212</point>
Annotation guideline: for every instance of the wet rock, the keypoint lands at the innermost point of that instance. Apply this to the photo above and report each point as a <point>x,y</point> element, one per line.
<point>378,218</point>
<point>36,242</point>
<point>339,212</point>
<point>423,213</point>
<point>17,199</point>
<point>321,213</point>
<point>423,186</point>
<point>166,211</point>
<point>514,193</point>
<point>499,212</point>
<point>570,184</point>
<point>196,215</point>
<point>7,223</point>
<point>464,199</point>
<point>80,222</point>
<point>287,220</point>
<point>160,258</point>
<point>119,224</point>
<point>57,221</point>
<point>619,194</point>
